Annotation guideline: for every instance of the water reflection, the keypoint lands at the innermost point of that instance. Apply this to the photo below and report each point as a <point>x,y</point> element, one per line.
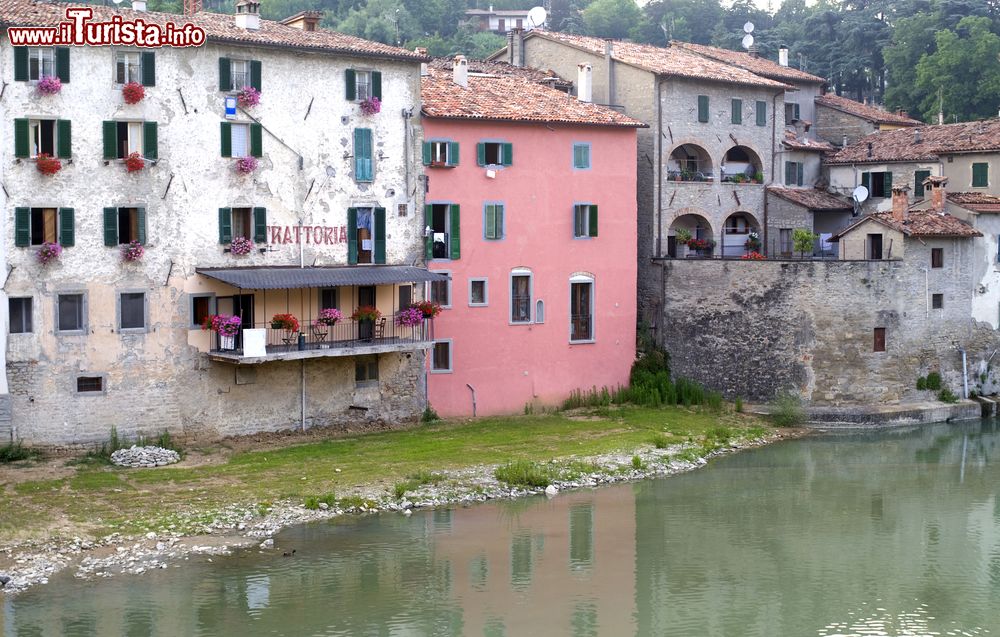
<point>879,533</point>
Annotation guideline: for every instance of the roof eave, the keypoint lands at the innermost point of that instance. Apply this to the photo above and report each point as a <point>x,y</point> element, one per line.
<point>477,118</point>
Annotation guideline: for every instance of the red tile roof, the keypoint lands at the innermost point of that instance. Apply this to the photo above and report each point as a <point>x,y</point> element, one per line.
<point>975,201</point>
<point>920,223</point>
<point>512,99</point>
<point>761,66</point>
<point>804,143</point>
<point>811,198</point>
<point>873,114</point>
<point>924,143</point>
<point>496,67</point>
<point>218,27</point>
<point>674,61</point>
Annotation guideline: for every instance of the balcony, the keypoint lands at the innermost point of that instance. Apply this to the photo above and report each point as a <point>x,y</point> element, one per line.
<point>347,338</point>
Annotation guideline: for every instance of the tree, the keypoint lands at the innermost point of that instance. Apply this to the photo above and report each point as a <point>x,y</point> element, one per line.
<point>611,18</point>
<point>912,39</point>
<point>685,20</point>
<point>963,73</point>
<point>385,21</point>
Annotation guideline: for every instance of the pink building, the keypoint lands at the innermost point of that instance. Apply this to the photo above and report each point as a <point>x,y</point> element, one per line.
<point>531,210</point>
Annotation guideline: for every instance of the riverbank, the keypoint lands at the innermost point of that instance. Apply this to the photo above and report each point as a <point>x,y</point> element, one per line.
<point>101,520</point>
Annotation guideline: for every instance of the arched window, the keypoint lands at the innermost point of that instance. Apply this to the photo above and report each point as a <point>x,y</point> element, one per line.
<point>521,284</point>
<point>581,308</point>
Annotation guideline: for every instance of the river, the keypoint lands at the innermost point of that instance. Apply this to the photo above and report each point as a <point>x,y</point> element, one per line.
<point>887,532</point>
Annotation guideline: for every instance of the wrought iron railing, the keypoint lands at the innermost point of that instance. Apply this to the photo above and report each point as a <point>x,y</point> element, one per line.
<point>581,327</point>
<point>346,333</point>
<point>520,308</point>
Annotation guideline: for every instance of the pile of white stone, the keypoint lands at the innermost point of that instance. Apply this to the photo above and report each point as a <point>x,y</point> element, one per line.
<point>144,457</point>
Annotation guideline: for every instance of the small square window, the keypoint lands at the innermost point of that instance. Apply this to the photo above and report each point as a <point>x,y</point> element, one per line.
<point>477,292</point>
<point>132,311</point>
<point>366,370</point>
<point>441,357</point>
<point>41,63</point>
<point>362,85</point>
<point>879,345</point>
<point>937,257</point>
<point>20,315</point>
<point>405,296</point>
<point>128,67</point>
<point>90,384</point>
<point>69,313</point>
<point>581,156</point>
<point>937,301</point>
<point>202,307</point>
<point>240,73</point>
<point>582,217</point>
<point>441,293</point>
<point>129,136</point>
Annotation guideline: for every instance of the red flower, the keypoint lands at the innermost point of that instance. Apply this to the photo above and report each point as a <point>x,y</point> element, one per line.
<point>48,165</point>
<point>133,92</point>
<point>134,162</point>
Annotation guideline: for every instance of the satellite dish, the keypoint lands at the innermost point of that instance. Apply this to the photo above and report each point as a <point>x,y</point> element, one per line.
<point>117,1</point>
<point>748,27</point>
<point>747,41</point>
<point>536,17</point>
<point>860,194</point>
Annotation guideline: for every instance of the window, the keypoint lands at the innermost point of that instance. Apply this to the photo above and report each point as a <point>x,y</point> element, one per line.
<point>493,221</point>
<point>879,339</point>
<point>405,296</point>
<point>918,182</point>
<point>242,140</point>
<point>363,162</point>
<point>124,138</point>
<point>33,63</point>
<point>581,309</point>
<point>761,113</point>
<point>362,85</point>
<point>440,292</point>
<point>124,225</point>
<point>878,184</point>
<point>41,63</point>
<point>875,246</point>
<point>440,154</point>
<point>501,25</point>
<point>329,299</point>
<point>70,313</point>
<point>937,301</point>
<point>366,370</point>
<point>202,306</point>
<point>366,235</point>
<point>794,173</point>
<point>980,175</point>
<point>539,311</point>
<point>441,356</point>
<point>132,311</point>
<point>581,156</point>
<point>520,296</point>
<point>90,384</point>
<point>494,154</point>
<point>703,108</point>
<point>235,75</point>
<point>135,66</point>
<point>444,240</point>
<point>249,223</point>
<point>785,245</point>
<point>33,137</point>
<point>584,220</point>
<point>937,257</point>
<point>737,111</point>
<point>791,112</point>
<point>19,309</point>
<point>35,226</point>
<point>478,292</point>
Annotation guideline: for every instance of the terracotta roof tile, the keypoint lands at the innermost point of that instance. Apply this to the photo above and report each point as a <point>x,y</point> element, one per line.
<point>498,68</point>
<point>760,66</point>
<point>218,27</point>
<point>812,198</point>
<point>924,143</point>
<point>804,143</point>
<point>873,114</point>
<point>513,99</point>
<point>673,60</point>
<point>920,223</point>
<point>975,201</point>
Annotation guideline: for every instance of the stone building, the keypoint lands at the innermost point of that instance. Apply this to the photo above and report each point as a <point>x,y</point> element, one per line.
<point>842,121</point>
<point>305,202</point>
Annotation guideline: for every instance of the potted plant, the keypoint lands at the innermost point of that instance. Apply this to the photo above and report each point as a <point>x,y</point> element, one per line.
<point>133,92</point>
<point>241,246</point>
<point>288,324</point>
<point>753,242</point>
<point>134,162</point>
<point>371,106</point>
<point>248,97</point>
<point>429,309</point>
<point>226,326</point>
<point>49,85</point>
<point>758,177</point>
<point>366,315</point>
<point>327,319</point>
<point>753,256</point>
<point>49,252</point>
<point>47,164</point>
<point>246,165</point>
<point>133,251</point>
<point>410,317</point>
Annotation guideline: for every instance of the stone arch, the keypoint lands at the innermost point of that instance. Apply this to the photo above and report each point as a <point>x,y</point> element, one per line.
<point>742,164</point>
<point>693,222</point>
<point>741,234</point>
<point>690,162</point>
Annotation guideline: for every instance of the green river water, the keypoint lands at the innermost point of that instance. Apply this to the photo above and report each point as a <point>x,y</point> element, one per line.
<point>888,532</point>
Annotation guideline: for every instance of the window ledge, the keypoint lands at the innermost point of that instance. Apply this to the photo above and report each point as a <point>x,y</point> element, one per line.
<point>583,342</point>
<point>440,165</point>
<point>442,371</point>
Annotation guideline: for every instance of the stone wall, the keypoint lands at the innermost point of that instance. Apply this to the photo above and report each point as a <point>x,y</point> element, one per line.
<point>832,125</point>
<point>752,329</point>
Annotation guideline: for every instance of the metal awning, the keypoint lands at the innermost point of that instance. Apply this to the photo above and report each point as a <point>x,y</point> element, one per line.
<point>285,277</point>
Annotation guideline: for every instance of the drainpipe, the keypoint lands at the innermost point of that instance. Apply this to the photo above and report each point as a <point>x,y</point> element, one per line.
<point>303,373</point>
<point>473,390</point>
<point>659,168</point>
<point>774,158</point>
<point>965,374</point>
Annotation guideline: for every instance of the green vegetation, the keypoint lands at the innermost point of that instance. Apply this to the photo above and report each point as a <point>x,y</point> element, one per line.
<point>524,473</point>
<point>738,405</point>
<point>313,501</point>
<point>415,480</point>
<point>637,463</point>
<point>102,453</point>
<point>429,415</point>
<point>15,452</point>
<point>786,410</point>
<point>946,396</point>
<point>803,240</point>
<point>922,383</point>
<point>934,381</point>
<point>661,441</point>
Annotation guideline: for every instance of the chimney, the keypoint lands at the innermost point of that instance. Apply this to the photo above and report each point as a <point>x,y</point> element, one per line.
<point>783,55</point>
<point>584,82</point>
<point>871,150</point>
<point>248,14</point>
<point>936,186</point>
<point>461,71</point>
<point>843,143</point>
<point>918,136</point>
<point>423,65</point>
<point>517,46</point>
<point>754,51</point>
<point>609,64</point>
<point>305,20</point>
<point>138,5</point>
<point>900,203</point>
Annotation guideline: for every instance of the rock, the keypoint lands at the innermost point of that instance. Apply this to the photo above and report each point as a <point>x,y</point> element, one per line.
<point>151,536</point>
<point>407,512</point>
<point>144,457</point>
<point>324,506</point>
<point>4,579</point>
<point>267,544</point>
<point>551,490</point>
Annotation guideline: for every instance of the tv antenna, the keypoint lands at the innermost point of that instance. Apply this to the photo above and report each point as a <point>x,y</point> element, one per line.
<point>536,17</point>
<point>747,39</point>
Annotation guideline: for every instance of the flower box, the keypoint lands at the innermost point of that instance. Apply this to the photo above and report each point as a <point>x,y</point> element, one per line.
<point>241,246</point>
<point>371,106</point>
<point>49,252</point>
<point>248,97</point>
<point>133,92</point>
<point>49,85</point>
<point>48,165</point>
<point>133,251</point>
<point>246,165</point>
<point>134,162</point>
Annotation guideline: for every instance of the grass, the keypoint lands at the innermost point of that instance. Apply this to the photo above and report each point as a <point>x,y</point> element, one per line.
<point>524,473</point>
<point>786,410</point>
<point>100,499</point>
<point>15,452</point>
<point>414,481</point>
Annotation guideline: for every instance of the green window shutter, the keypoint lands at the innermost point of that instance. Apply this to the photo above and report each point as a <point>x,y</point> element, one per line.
<point>508,155</point>
<point>20,64</point>
<point>499,221</point>
<point>256,140</point>
<point>592,226</point>
<point>379,232</point>
<point>64,138</point>
<point>918,179</point>
<point>260,225</point>
<point>737,111</point>
<point>980,175</point>
<point>22,143</point>
<point>255,74</point>
<point>452,153</point>
<point>490,231</point>
<point>866,181</point>
<point>377,84</point>
<point>22,226</point>
<point>800,170</point>
<point>148,68</point>
<point>227,139</point>
<point>456,229</point>
<point>797,112</point>
<point>225,225</point>
<point>789,168</point>
<point>67,227</point>
<point>140,220</point>
<point>761,113</point>
<point>480,154</point>
<point>62,64</point>
<point>150,147</point>
<point>429,240</point>
<point>703,108</point>
<point>225,74</point>
<point>110,130</point>
<point>888,185</point>
<point>427,153</point>
<point>352,236</point>
<point>351,85</point>
<point>363,154</point>
<point>111,226</point>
